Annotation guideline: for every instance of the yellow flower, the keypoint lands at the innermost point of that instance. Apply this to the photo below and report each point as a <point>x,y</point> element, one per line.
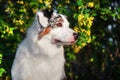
<point>47,2</point>
<point>7,10</point>
<point>12,12</point>
<point>81,23</point>
<point>83,30</point>
<point>9,1</point>
<point>81,19</point>
<point>24,10</point>
<point>67,1</point>
<point>92,18</point>
<point>59,5</point>
<point>22,29</point>
<point>20,2</point>
<point>83,44</point>
<point>76,48</point>
<point>91,59</point>
<point>7,29</point>
<point>49,6</point>
<point>21,22</point>
<point>91,4</point>
<point>79,7</point>
<point>10,32</point>
<point>84,23</point>
<point>76,29</point>
<point>34,10</point>
<point>90,21</point>
<point>40,1</point>
<point>89,40</point>
<point>88,32</point>
<point>27,17</point>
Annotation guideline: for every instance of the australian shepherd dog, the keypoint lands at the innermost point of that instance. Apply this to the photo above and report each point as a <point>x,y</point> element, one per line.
<point>40,56</point>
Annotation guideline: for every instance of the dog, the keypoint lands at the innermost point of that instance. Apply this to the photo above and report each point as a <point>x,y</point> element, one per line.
<point>40,56</point>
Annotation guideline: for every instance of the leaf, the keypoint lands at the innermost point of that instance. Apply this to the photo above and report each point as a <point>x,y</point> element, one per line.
<point>0,58</point>
<point>2,70</point>
<point>75,15</point>
<point>79,2</point>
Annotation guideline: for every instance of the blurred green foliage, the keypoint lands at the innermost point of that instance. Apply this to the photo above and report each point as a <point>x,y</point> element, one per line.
<point>95,56</point>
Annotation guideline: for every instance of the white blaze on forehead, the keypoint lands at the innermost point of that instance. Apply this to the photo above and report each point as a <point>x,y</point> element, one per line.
<point>65,23</point>
<point>42,19</point>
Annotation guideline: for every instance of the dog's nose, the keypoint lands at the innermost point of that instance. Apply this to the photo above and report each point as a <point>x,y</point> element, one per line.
<point>75,35</point>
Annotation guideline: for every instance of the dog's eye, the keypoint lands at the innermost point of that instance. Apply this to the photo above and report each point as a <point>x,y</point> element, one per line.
<point>59,24</point>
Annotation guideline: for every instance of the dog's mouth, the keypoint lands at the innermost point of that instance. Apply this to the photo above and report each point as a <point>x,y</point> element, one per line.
<point>57,41</point>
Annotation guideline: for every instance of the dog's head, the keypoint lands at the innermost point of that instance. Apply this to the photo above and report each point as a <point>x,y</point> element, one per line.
<point>53,27</point>
<point>61,33</point>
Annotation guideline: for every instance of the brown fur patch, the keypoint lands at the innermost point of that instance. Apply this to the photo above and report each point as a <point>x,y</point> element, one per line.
<point>44,32</point>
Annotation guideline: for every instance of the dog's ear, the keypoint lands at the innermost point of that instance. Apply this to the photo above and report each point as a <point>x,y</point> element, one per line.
<point>48,13</point>
<point>42,20</point>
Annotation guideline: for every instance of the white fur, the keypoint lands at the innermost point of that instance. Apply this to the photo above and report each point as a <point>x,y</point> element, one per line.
<point>42,59</point>
<point>43,20</point>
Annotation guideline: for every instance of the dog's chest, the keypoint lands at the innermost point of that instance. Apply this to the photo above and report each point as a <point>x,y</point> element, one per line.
<point>49,62</point>
<point>50,67</point>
